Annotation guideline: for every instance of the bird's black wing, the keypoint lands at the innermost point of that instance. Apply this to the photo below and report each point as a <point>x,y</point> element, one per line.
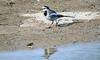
<point>59,15</point>
<point>53,15</point>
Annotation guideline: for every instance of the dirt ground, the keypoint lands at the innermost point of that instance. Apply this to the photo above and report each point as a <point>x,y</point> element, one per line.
<point>13,37</point>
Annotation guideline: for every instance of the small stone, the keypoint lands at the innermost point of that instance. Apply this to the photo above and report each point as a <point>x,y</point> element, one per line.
<point>30,45</point>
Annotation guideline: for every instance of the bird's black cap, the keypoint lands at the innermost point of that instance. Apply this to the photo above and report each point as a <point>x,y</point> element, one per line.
<point>46,7</point>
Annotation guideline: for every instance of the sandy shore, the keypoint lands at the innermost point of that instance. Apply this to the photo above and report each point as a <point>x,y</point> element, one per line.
<point>17,38</point>
<point>13,37</point>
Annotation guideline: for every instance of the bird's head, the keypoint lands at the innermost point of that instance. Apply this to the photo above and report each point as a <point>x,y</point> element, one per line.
<point>45,8</point>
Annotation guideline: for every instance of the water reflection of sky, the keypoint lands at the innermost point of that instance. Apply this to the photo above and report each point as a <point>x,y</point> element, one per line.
<point>87,51</point>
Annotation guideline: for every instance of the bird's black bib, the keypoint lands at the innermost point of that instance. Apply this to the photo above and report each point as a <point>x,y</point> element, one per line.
<point>45,13</point>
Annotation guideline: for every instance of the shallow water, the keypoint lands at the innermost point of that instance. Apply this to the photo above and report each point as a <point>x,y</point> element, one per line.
<point>78,51</point>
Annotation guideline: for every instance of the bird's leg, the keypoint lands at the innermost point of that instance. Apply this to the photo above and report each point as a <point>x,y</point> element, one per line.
<point>56,23</point>
<point>51,24</point>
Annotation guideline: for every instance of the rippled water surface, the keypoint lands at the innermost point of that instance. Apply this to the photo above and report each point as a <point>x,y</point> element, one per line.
<point>79,51</point>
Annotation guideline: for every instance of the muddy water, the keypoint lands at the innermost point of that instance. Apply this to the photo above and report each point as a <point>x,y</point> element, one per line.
<point>77,51</point>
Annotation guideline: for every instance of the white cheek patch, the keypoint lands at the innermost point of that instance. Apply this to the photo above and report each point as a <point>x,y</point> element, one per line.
<point>44,9</point>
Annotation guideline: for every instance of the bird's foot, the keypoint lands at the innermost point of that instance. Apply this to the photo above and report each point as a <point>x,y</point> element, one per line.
<point>48,27</point>
<point>56,25</point>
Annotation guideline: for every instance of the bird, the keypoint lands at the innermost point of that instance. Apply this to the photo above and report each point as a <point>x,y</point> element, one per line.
<point>52,15</point>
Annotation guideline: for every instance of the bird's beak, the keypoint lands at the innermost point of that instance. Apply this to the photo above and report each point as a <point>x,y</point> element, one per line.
<point>42,9</point>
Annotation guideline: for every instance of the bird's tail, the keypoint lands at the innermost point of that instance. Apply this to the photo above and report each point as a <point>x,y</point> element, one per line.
<point>69,16</point>
<point>65,16</point>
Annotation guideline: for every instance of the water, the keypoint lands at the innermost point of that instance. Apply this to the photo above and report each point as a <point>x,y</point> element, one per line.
<point>82,51</point>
